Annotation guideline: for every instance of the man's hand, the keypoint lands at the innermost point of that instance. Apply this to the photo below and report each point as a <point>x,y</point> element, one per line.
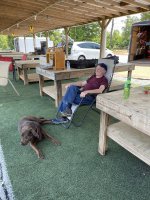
<point>83,94</point>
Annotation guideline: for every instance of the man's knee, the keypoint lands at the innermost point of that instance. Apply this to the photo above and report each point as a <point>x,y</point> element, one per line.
<point>72,88</point>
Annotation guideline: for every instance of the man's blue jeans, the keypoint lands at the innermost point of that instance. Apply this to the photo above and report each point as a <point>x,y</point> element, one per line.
<point>72,95</point>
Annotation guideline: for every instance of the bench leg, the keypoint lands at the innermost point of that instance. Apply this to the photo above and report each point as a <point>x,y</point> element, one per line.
<point>41,84</point>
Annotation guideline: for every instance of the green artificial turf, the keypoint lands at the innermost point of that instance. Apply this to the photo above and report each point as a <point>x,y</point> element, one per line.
<point>73,171</point>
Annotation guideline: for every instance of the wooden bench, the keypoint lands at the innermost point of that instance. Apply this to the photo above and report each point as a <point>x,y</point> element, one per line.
<point>131,139</point>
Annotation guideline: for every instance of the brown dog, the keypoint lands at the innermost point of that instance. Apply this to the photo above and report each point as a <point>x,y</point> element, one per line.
<point>32,132</point>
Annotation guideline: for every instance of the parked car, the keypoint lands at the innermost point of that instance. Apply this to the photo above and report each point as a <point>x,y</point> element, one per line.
<point>86,50</point>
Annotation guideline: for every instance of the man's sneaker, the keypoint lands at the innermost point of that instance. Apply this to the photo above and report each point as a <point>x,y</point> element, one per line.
<point>67,113</point>
<point>61,120</point>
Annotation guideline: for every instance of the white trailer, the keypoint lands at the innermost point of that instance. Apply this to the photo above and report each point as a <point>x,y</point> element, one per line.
<point>20,43</point>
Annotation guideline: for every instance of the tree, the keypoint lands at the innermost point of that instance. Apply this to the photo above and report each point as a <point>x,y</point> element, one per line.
<point>3,42</point>
<point>10,42</point>
<point>87,32</point>
<point>127,30</point>
<point>55,36</point>
<point>145,16</point>
<point>116,40</point>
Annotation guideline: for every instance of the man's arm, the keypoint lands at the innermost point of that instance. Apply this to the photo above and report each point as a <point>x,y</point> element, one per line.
<point>96,91</point>
<point>79,84</point>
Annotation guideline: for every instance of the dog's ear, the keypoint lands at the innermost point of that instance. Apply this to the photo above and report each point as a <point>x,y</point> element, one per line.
<point>36,133</point>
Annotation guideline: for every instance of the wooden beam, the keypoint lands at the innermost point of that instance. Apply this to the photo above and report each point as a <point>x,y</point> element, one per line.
<point>103,24</point>
<point>66,34</point>
<point>34,41</point>
<point>135,3</point>
<point>47,37</point>
<point>25,48</point>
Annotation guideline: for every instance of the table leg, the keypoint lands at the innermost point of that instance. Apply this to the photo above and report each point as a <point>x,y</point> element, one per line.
<point>58,88</point>
<point>41,84</point>
<point>18,72</point>
<point>129,74</point>
<point>25,76</point>
<point>103,132</point>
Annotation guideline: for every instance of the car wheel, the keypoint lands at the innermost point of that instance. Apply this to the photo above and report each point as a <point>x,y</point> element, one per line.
<point>109,55</point>
<point>81,58</point>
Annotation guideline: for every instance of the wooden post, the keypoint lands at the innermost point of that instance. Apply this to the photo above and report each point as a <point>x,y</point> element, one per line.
<point>25,48</point>
<point>47,36</point>
<point>103,133</point>
<point>103,24</point>
<point>41,84</point>
<point>58,88</point>
<point>34,41</point>
<point>66,33</point>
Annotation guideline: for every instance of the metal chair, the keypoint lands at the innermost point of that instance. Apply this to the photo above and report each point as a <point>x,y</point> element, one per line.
<point>109,75</point>
<point>4,72</point>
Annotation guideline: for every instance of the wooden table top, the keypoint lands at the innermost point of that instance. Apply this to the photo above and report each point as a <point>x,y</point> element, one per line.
<point>74,73</point>
<point>134,111</point>
<point>27,63</point>
<point>21,62</point>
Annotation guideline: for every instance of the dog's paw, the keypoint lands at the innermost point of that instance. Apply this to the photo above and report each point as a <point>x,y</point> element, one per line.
<point>41,156</point>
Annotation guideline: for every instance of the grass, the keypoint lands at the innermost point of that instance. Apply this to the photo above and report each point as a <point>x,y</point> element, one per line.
<point>72,171</point>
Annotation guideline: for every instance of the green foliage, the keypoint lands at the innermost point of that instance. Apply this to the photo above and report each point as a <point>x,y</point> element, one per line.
<point>55,36</point>
<point>11,42</point>
<point>145,16</point>
<point>126,30</point>
<point>3,42</point>
<point>6,42</point>
<point>88,32</point>
<point>116,39</point>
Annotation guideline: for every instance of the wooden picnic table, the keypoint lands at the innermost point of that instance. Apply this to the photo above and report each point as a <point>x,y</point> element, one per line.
<point>133,130</point>
<point>23,67</point>
<point>33,57</point>
<point>14,56</point>
<point>56,91</point>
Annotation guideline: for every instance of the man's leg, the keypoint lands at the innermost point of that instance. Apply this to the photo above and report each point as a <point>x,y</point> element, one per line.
<point>69,98</point>
<point>85,101</point>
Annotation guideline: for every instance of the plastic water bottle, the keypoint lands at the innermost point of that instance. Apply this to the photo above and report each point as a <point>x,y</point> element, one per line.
<point>126,91</point>
<point>68,65</point>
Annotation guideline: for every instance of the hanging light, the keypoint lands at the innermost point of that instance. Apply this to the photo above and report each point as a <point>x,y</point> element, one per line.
<point>18,25</point>
<point>31,29</point>
<point>13,34</point>
<point>35,17</point>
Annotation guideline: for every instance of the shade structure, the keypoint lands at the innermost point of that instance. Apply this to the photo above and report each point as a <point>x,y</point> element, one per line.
<point>18,16</point>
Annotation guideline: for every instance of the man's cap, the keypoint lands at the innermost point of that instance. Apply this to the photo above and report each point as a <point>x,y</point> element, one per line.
<point>103,65</point>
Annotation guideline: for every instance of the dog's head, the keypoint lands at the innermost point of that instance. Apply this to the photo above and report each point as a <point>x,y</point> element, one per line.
<point>29,133</point>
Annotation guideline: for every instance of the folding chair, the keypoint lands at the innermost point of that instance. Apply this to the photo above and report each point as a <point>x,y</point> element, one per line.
<point>109,75</point>
<point>4,72</point>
